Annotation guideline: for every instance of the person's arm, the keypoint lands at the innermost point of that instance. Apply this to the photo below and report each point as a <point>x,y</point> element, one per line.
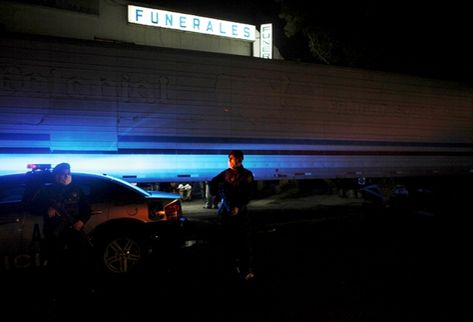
<point>215,183</point>
<point>84,211</point>
<point>44,203</point>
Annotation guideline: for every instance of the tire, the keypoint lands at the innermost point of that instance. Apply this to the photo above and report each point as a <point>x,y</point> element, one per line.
<point>121,254</point>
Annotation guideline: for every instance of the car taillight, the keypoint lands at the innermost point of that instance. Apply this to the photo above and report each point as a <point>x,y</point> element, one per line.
<point>173,211</point>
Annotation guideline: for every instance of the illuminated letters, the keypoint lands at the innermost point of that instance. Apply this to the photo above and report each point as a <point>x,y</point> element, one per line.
<point>185,22</point>
<point>196,24</point>
<point>221,29</point>
<point>209,27</point>
<point>266,41</point>
<point>169,20</point>
<point>154,18</point>
<point>138,14</point>
<point>182,22</point>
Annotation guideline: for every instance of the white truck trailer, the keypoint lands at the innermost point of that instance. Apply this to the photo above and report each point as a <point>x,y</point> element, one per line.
<point>150,114</point>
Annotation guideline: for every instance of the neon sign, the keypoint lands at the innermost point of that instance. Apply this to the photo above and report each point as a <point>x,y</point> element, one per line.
<point>185,22</point>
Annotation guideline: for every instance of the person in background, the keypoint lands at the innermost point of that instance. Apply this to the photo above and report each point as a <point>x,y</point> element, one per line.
<point>185,190</point>
<point>173,187</point>
<point>210,201</point>
<point>235,186</point>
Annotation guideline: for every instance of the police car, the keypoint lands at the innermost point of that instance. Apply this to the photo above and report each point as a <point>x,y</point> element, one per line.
<point>127,225</point>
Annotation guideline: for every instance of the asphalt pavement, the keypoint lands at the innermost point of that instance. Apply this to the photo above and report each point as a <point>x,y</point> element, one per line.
<point>318,257</point>
<point>323,257</point>
<point>289,202</point>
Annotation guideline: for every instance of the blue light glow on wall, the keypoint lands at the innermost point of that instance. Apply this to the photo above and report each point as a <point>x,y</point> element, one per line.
<point>164,167</point>
<point>132,167</point>
<point>201,167</point>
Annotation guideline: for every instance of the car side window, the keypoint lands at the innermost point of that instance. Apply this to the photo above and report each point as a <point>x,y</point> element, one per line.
<point>102,191</point>
<point>12,192</point>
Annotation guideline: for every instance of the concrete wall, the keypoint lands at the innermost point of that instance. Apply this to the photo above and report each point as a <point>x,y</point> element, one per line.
<point>110,24</point>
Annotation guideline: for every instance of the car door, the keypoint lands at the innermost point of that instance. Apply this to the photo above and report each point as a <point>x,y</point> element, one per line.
<point>20,234</point>
<point>94,190</point>
<point>122,202</point>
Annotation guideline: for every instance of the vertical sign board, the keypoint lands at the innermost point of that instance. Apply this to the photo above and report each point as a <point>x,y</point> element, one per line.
<point>266,41</point>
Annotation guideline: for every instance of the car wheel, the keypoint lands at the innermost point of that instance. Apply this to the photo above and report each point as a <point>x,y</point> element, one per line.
<point>121,254</point>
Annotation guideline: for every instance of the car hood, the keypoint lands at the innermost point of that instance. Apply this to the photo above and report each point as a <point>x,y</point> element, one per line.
<point>162,194</point>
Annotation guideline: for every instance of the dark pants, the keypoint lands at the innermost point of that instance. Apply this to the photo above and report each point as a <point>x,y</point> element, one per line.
<point>68,250</point>
<point>69,262</point>
<point>237,241</point>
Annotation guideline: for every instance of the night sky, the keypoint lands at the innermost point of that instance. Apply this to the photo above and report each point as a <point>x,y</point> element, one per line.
<point>430,40</point>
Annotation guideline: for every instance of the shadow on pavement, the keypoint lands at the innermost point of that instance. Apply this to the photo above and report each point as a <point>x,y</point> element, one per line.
<point>345,263</point>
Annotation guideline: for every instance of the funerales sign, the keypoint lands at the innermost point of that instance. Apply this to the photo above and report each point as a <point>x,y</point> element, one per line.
<point>184,22</point>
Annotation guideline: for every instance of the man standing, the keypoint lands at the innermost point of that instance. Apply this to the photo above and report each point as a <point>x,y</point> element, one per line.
<point>235,187</point>
<point>65,209</point>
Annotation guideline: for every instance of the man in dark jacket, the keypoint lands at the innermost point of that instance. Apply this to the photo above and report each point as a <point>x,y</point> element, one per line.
<point>65,209</point>
<point>235,187</point>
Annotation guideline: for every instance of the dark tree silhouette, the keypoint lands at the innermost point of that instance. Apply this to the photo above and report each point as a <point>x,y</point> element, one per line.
<point>427,40</point>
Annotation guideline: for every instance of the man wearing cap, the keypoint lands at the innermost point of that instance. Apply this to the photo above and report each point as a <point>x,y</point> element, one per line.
<point>65,209</point>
